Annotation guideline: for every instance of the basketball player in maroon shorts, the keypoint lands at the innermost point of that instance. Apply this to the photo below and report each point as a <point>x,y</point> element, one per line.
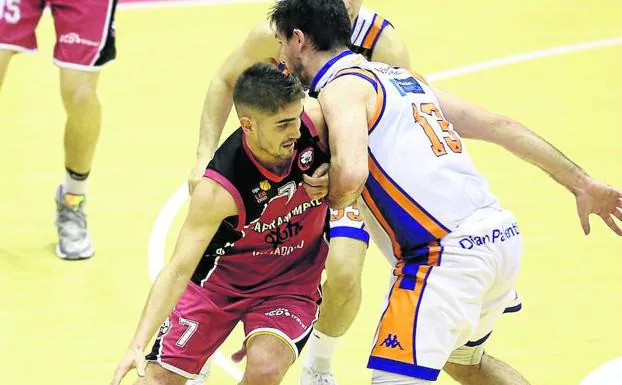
<point>84,43</point>
<point>252,246</point>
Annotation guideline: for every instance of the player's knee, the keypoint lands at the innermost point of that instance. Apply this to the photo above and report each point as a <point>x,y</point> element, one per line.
<point>264,371</point>
<point>345,278</point>
<point>79,94</point>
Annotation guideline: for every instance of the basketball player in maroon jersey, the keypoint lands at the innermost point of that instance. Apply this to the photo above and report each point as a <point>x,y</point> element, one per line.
<point>252,248</point>
<point>85,42</point>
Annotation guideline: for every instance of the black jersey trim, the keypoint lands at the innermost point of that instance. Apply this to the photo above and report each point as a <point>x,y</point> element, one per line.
<point>239,202</point>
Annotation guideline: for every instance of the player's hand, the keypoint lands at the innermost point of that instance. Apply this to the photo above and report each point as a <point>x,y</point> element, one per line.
<point>197,172</point>
<point>134,358</point>
<point>316,185</point>
<point>238,356</point>
<point>599,198</point>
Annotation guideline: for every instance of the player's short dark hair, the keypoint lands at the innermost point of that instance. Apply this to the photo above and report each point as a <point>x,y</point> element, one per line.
<point>264,87</point>
<point>325,22</point>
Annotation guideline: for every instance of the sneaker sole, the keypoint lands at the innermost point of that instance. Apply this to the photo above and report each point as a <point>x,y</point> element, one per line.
<point>86,254</point>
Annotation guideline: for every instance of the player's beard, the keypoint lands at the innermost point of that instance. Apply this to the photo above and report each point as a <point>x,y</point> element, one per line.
<point>298,71</point>
<point>279,153</point>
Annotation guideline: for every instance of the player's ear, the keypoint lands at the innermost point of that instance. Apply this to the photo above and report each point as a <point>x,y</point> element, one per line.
<point>246,124</point>
<point>299,36</point>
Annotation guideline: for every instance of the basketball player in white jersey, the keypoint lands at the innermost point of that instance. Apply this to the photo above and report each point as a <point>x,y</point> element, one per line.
<point>375,38</point>
<point>455,250</point>
<point>372,36</point>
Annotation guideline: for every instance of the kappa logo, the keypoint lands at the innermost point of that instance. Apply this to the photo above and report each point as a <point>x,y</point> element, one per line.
<point>306,159</point>
<point>391,342</point>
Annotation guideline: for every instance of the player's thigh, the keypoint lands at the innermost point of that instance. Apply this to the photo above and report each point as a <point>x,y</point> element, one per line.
<point>5,59</point>
<point>287,318</point>
<point>157,375</point>
<point>196,327</point>
<point>85,36</point>
<point>433,306</point>
<point>502,242</point>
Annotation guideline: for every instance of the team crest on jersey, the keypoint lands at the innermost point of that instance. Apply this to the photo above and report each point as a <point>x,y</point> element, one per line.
<point>305,160</point>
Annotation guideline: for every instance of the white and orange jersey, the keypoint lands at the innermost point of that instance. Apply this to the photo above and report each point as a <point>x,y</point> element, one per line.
<point>422,183</point>
<point>366,30</point>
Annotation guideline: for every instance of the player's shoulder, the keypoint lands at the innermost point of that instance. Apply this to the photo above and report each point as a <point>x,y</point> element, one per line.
<point>227,157</point>
<point>369,18</point>
<point>261,35</point>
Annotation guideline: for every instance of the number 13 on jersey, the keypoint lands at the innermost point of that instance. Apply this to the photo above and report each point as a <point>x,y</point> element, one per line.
<point>427,112</point>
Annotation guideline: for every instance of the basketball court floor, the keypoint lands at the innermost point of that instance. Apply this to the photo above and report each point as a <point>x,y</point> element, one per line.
<point>70,322</point>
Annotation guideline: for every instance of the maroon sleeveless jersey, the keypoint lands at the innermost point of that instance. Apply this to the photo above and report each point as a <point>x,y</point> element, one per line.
<point>275,245</point>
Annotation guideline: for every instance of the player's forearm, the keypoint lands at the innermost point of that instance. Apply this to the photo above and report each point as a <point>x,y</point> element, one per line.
<point>164,293</point>
<point>216,109</point>
<point>530,147</point>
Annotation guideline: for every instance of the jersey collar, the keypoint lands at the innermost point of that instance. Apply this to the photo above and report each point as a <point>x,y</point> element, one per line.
<point>328,70</point>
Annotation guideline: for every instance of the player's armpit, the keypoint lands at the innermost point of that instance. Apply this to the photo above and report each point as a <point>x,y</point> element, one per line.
<point>391,49</point>
<point>313,111</point>
<point>210,203</point>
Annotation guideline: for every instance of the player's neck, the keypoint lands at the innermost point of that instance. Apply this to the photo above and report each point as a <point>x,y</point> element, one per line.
<point>317,60</point>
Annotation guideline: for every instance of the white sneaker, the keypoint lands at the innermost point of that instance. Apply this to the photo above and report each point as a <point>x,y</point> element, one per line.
<point>309,376</point>
<point>74,241</point>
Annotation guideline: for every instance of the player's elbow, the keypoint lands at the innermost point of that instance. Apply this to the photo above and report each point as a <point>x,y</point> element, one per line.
<point>507,131</point>
<point>346,185</point>
<point>179,273</point>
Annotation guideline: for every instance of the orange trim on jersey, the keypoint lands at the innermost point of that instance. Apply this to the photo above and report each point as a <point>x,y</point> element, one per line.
<point>395,333</point>
<point>373,33</point>
<point>404,202</point>
<point>434,254</point>
<point>379,91</point>
<point>397,249</point>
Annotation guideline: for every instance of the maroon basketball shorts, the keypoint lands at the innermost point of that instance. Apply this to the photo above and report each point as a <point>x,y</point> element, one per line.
<point>84,30</point>
<point>202,320</point>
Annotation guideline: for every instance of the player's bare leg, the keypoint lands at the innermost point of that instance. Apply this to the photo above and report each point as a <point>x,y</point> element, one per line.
<point>78,90</point>
<point>490,371</point>
<point>157,375</point>
<point>341,299</point>
<point>5,58</point>
<point>267,360</point>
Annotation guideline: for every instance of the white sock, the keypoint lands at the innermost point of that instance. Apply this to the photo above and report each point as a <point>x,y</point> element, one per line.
<point>320,351</point>
<point>74,186</point>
